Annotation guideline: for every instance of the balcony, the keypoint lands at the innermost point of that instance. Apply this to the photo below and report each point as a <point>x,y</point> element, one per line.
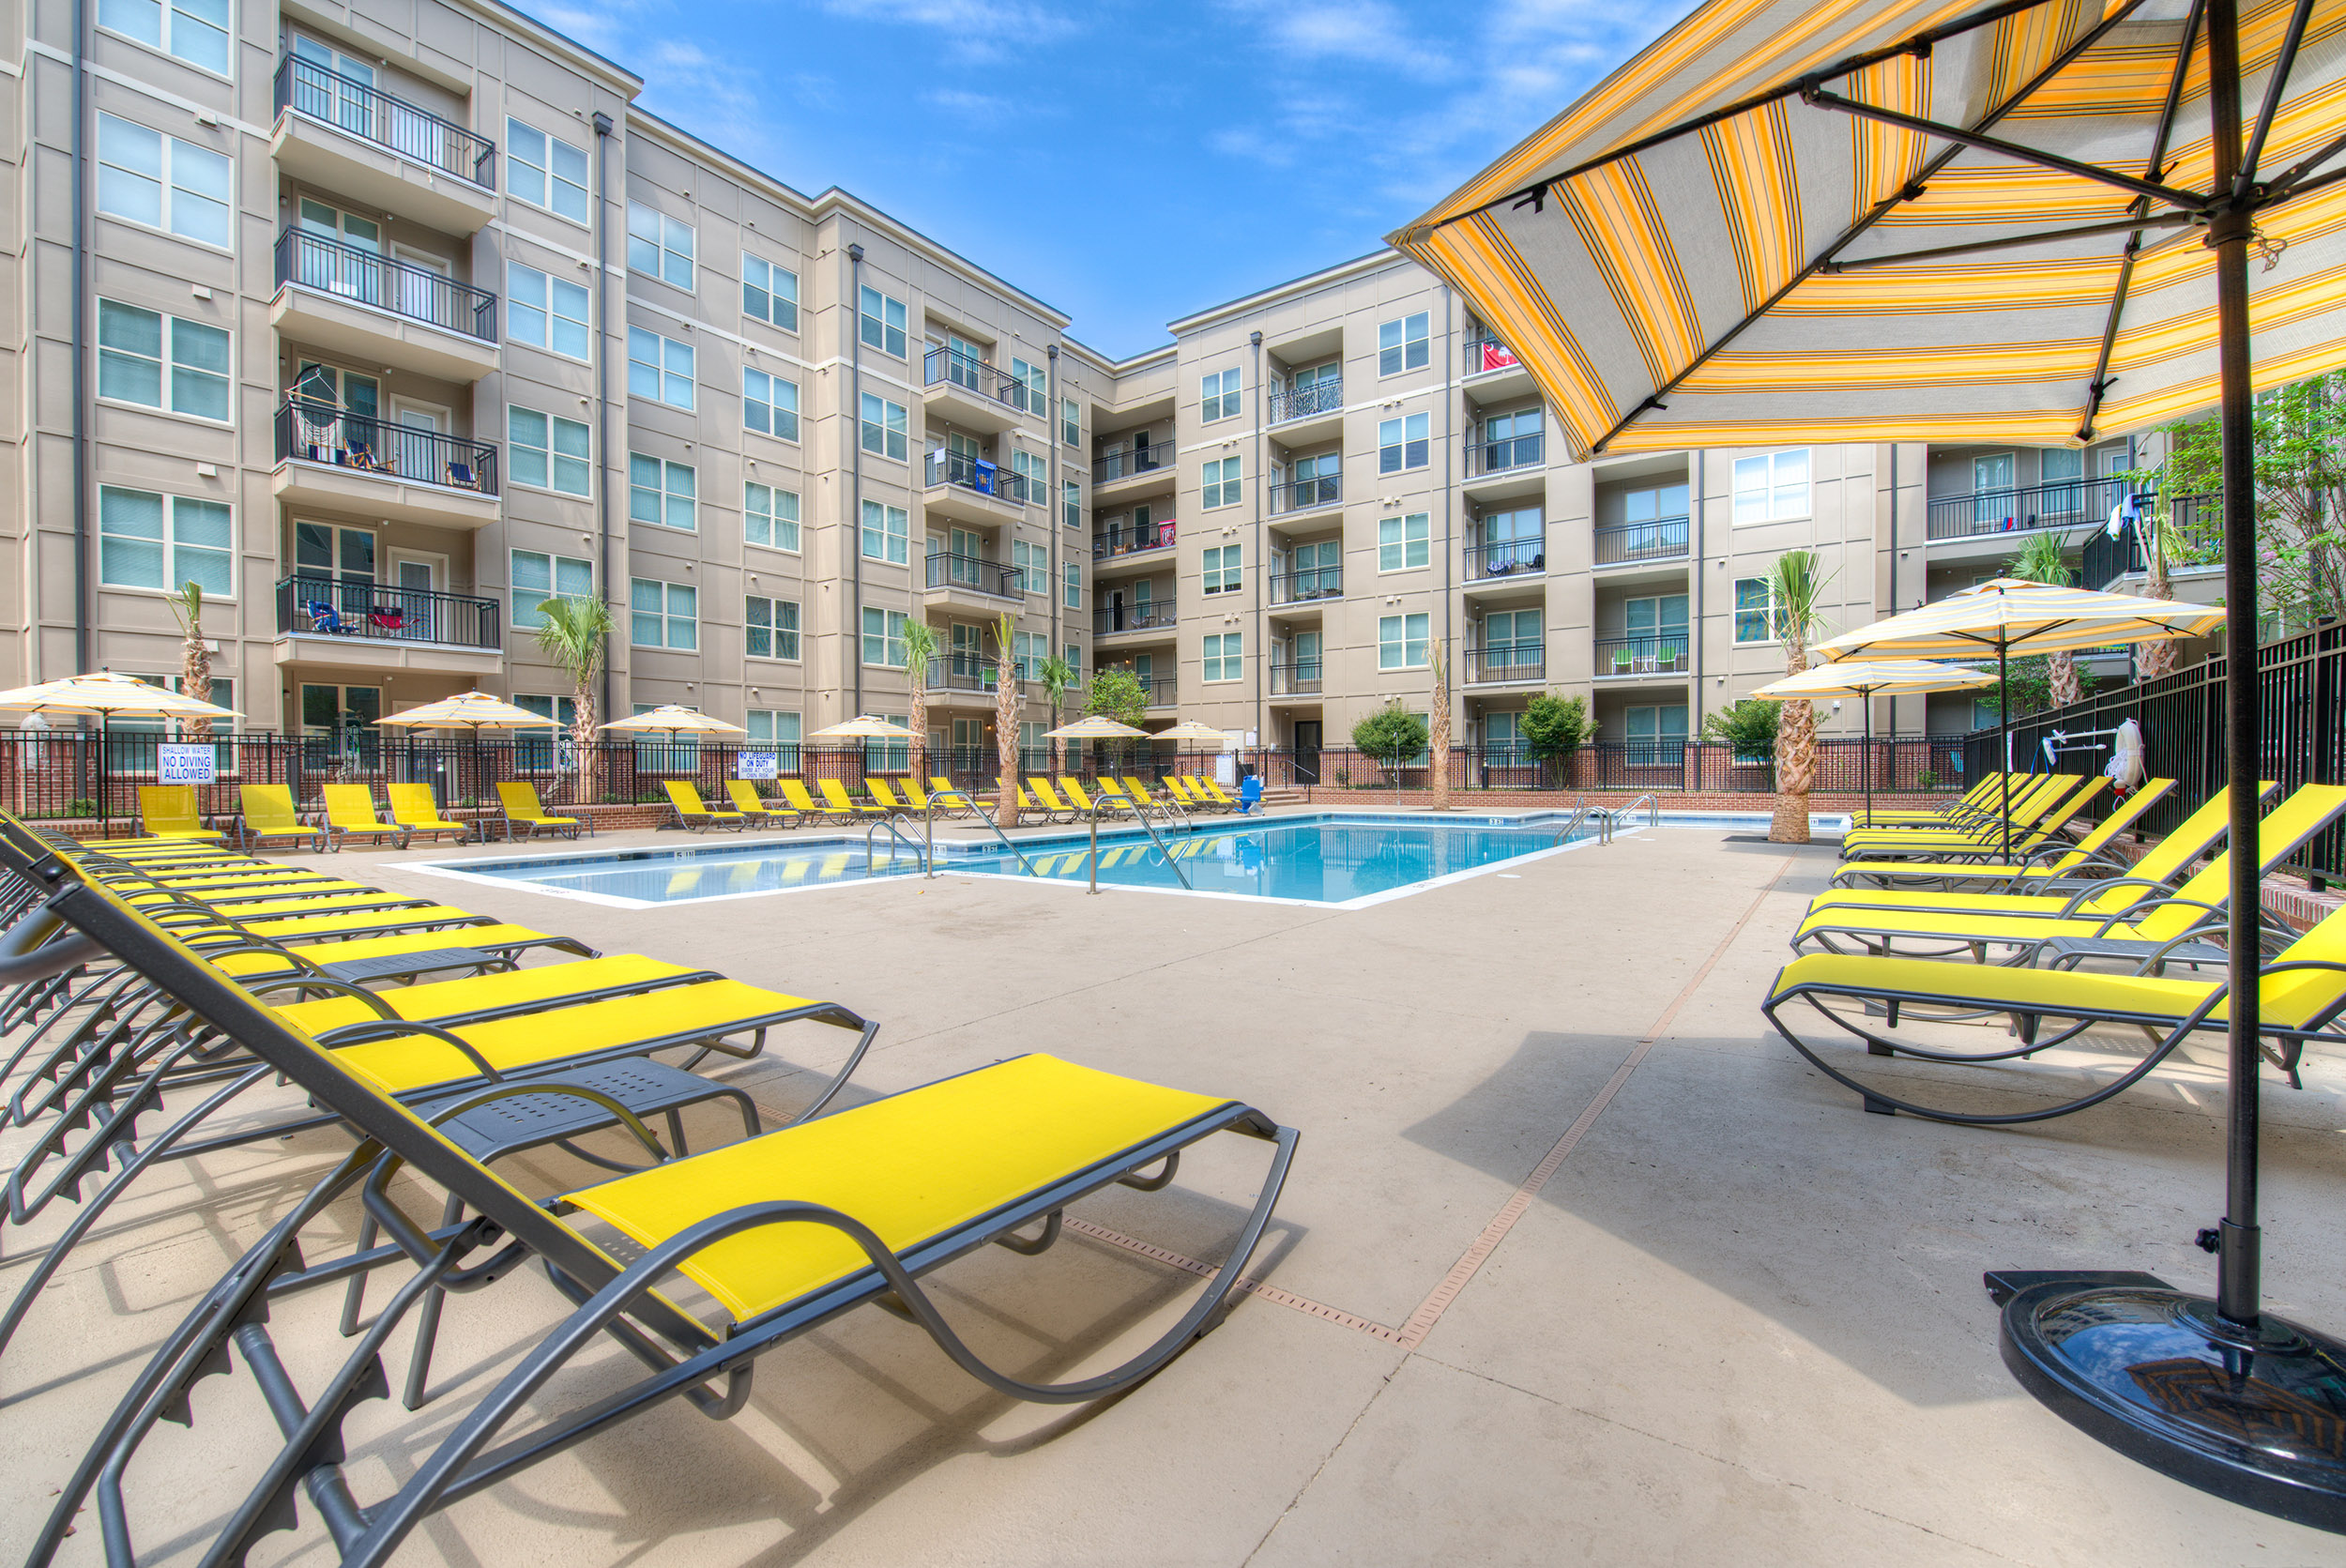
<point>1300,587</point>
<point>373,309</point>
<point>1644,656</point>
<point>1299,413</point>
<point>2063,504</point>
<point>1163,691</point>
<point>1153,615</point>
<point>1313,494</point>
<point>327,456</point>
<point>322,623</point>
<point>966,391</point>
<point>380,152</point>
<point>957,676</point>
<point>972,490</point>
<point>2197,522</point>
<point>1506,455</point>
<point>973,582</point>
<point>1493,365</point>
<point>1118,540</point>
<point>1134,469</point>
<point>1664,539</point>
<point>1505,663</point>
<point>1505,557</point>
<point>1295,678</point>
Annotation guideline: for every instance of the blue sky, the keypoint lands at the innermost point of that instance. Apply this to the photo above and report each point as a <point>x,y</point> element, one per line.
<point>1127,162</point>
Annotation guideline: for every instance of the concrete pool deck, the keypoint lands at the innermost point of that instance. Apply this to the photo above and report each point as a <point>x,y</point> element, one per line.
<point>1576,1265</point>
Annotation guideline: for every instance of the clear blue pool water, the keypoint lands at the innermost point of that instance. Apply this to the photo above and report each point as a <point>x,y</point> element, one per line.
<point>1330,858</point>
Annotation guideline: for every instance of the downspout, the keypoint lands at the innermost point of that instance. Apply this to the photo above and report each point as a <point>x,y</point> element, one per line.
<point>1892,717</point>
<point>83,616</point>
<point>1054,588</point>
<point>855,480</point>
<point>603,384</point>
<point>1262,562</point>
<point>1449,455</point>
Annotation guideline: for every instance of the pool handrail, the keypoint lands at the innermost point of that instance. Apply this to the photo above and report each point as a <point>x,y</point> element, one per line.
<point>1093,859</point>
<point>920,855</point>
<point>962,800</point>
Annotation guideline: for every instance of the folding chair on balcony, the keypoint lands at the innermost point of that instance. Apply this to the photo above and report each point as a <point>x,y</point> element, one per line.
<point>784,1232</point>
<point>460,476</point>
<point>325,618</point>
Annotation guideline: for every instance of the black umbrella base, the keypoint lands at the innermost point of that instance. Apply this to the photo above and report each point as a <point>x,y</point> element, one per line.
<point>2255,1416</point>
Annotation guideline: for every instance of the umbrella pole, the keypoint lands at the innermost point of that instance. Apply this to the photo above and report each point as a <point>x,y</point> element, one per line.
<point>105,816</point>
<point>1866,697</point>
<point>2003,736</point>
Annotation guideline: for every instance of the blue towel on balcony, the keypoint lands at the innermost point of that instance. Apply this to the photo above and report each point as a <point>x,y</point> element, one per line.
<point>986,475</point>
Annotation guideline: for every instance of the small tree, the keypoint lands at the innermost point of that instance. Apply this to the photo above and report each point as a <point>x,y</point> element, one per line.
<point>1389,736</point>
<point>1554,727</point>
<point>1005,720</point>
<point>1439,743</point>
<point>574,633</point>
<point>2041,561</point>
<point>1746,728</point>
<point>195,659</point>
<point>920,647</point>
<point>1795,589</point>
<point>1058,676</point>
<point>1120,694</point>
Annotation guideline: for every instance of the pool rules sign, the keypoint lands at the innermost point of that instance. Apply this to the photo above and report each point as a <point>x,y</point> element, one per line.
<point>186,765</point>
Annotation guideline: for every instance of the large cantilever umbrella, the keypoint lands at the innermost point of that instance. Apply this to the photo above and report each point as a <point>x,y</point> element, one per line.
<point>108,695</point>
<point>2011,614</point>
<point>1867,680</point>
<point>670,720</point>
<point>2003,221</point>
<point>470,710</point>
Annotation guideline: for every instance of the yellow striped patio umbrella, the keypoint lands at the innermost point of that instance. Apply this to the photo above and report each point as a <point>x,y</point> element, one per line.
<point>473,711</point>
<point>106,694</point>
<point>1868,679</point>
<point>1964,221</point>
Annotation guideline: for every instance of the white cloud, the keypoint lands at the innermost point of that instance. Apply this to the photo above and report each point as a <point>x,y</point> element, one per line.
<point>972,29</point>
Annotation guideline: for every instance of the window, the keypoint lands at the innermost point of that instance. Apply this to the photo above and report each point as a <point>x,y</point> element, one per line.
<point>1035,472</point>
<point>1074,585</point>
<point>1401,642</point>
<point>544,311</point>
<point>1218,397</point>
<point>769,292</point>
<point>1028,651</point>
<point>546,170</point>
<point>1222,482</point>
<point>662,614</point>
<point>1032,562</point>
<point>660,368</point>
<point>548,451</point>
<point>1657,734</point>
<point>1070,422</point>
<point>661,492</point>
<point>1222,569</point>
<point>769,516</point>
<point>776,732</point>
<point>145,541</point>
<point>1403,345</point>
<point>769,405</point>
<point>1510,440</point>
<point>1074,664</point>
<point>1070,503</point>
<point>884,426</point>
<point>141,352</point>
<point>194,30</point>
<point>1403,542</point>
<point>773,628</point>
<point>161,181</point>
<point>538,578</point>
<point>884,637</point>
<point>659,246</point>
<point>886,534</point>
<point>1755,611</point>
<point>1772,486</point>
<point>1401,443</point>
<point>883,322</point>
<point>1224,658</point>
<point>1029,388</point>
<point>1503,741</point>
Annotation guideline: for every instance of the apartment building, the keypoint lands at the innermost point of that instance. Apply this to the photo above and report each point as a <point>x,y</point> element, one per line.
<point>388,323</point>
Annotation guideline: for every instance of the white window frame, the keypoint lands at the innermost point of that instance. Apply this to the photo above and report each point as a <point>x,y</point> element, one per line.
<point>1070,503</point>
<point>1400,440</point>
<point>663,492</point>
<point>169,546</point>
<point>558,292</point>
<point>1036,470</point>
<point>661,246</point>
<point>662,369</point>
<point>776,300</point>
<point>552,453</point>
<point>1393,646</point>
<point>166,39</point>
<point>1073,589</point>
<point>1738,610</point>
<point>1224,570</point>
<point>1397,350</point>
<point>171,153</point>
<point>887,435</point>
<point>524,617</point>
<point>551,180</point>
<point>1219,395</point>
<point>890,635</point>
<point>1032,562</point>
<point>1223,651</point>
<point>665,614</point>
<point>1070,422</point>
<point>1768,494</point>
<point>773,628</point>
<point>886,330</point>
<point>167,369</point>
<point>1393,552</point>
<point>893,533</point>
<point>780,400</point>
<point>772,512</point>
<point>1223,484</point>
<point>1033,384</point>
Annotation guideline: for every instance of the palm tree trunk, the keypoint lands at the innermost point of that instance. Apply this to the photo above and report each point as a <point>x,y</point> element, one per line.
<point>2157,657</point>
<point>1795,753</point>
<point>2062,678</point>
<point>1437,741</point>
<point>583,737</point>
<point>195,681</point>
<point>1006,736</point>
<point>920,747</point>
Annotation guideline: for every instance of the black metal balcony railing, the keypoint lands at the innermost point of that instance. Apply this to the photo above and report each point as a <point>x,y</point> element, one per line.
<point>1513,451</point>
<point>2061,504</point>
<point>1505,557</point>
<point>1123,538</point>
<point>1323,490</point>
<point>376,611</point>
<point>1295,678</point>
<point>1487,353</point>
<point>977,574</point>
<point>1302,403</point>
<point>1128,461</point>
<point>1650,653</point>
<point>320,433</point>
<point>2198,525</point>
<point>961,672</point>
<point>370,278</point>
<point>1664,539</point>
<point>977,474</point>
<point>1163,691</point>
<point>325,94</point>
<point>1149,615</point>
<point>951,367</point>
<point>1297,587</point>
<point>1492,663</point>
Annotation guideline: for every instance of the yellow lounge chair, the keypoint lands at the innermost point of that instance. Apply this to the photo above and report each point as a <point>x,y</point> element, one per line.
<point>1214,791</point>
<point>413,808</point>
<point>1988,832</point>
<point>1139,791</point>
<point>1109,798</point>
<point>268,813</point>
<point>961,803</point>
<point>1979,798</point>
<point>887,796</point>
<point>794,791</point>
<point>835,796</point>
<point>519,802</point>
<point>753,806</point>
<point>684,798</point>
<point>1053,809</point>
<point>2049,861</point>
<point>168,812</point>
<point>350,810</point>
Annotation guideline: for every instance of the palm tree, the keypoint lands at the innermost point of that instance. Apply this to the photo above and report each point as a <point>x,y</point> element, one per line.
<point>1057,676</point>
<point>1005,720</point>
<point>1437,743</point>
<point>195,659</point>
<point>2159,540</point>
<point>920,647</point>
<point>2040,561</point>
<point>574,633</point>
<point>1795,588</point>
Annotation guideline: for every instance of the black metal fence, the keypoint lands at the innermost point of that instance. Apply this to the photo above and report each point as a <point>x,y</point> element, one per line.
<point>1908,764</point>
<point>940,366</point>
<point>2301,685</point>
<point>979,474</point>
<point>1307,494</point>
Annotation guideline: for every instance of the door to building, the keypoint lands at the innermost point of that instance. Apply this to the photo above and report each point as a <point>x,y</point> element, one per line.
<point>1991,489</point>
<point>340,721</point>
<point>969,661</point>
<point>413,610</point>
<point>420,426</point>
<point>1307,743</point>
<point>970,744</point>
<point>1658,633</point>
<point>420,290</point>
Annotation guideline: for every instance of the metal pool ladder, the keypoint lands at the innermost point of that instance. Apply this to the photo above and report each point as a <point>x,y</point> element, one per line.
<point>962,798</point>
<point>1603,824</point>
<point>1092,860</point>
<point>898,836</point>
